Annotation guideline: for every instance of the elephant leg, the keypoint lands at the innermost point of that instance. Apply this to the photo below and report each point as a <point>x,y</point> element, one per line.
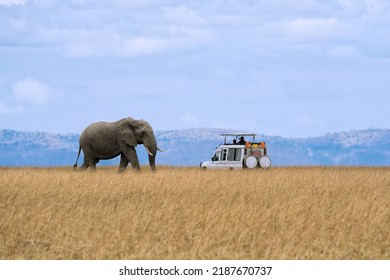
<point>133,158</point>
<point>92,163</point>
<point>123,164</point>
<point>89,159</point>
<point>93,166</point>
<point>84,166</point>
<point>131,155</point>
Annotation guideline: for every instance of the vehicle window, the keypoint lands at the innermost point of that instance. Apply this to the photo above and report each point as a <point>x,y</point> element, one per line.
<point>216,156</point>
<point>234,154</point>
<point>224,154</point>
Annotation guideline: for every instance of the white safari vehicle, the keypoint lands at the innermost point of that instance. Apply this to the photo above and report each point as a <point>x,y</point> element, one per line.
<point>239,153</point>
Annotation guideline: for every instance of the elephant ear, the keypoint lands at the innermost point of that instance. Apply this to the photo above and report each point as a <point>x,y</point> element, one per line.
<point>125,133</point>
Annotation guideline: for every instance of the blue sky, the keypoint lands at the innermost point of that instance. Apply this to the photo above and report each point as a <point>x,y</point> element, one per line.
<point>289,67</point>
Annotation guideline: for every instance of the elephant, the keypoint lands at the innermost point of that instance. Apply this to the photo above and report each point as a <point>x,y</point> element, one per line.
<point>107,140</point>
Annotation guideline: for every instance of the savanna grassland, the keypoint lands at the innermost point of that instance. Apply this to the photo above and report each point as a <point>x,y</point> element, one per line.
<point>186,213</point>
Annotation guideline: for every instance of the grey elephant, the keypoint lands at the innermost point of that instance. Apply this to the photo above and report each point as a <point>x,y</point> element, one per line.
<point>107,140</point>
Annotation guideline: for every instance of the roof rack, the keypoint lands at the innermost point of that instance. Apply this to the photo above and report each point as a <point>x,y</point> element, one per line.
<point>236,135</point>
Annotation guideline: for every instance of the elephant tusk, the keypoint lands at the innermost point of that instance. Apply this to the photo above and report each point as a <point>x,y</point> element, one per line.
<point>147,149</point>
<point>160,149</point>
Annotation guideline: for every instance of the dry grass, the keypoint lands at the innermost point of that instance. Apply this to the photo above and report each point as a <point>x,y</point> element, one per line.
<point>186,213</point>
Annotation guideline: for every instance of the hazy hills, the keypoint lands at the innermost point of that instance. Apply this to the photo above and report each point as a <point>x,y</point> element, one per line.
<point>191,146</point>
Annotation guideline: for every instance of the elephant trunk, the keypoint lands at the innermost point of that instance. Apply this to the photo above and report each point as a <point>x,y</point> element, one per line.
<point>151,148</point>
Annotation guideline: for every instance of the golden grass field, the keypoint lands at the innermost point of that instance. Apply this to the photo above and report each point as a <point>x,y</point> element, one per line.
<point>186,213</point>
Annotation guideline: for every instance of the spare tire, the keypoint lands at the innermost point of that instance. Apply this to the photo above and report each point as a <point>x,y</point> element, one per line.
<point>251,162</point>
<point>264,162</point>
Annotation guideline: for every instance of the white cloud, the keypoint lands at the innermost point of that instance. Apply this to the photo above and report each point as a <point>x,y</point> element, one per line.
<point>135,3</point>
<point>371,10</point>
<point>144,36</point>
<point>376,7</point>
<point>82,2</point>
<point>344,51</point>
<point>182,15</point>
<point>12,2</point>
<point>311,27</point>
<point>141,46</point>
<point>301,29</point>
<point>143,27</point>
<point>352,5</point>
<point>31,91</point>
<point>114,42</point>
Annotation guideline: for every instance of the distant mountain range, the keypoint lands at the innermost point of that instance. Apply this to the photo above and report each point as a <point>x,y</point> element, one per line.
<point>188,147</point>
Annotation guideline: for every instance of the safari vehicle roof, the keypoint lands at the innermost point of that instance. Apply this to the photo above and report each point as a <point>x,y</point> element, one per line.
<point>236,135</point>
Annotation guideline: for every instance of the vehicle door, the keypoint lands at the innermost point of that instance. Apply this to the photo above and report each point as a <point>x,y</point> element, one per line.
<point>215,160</point>
<point>223,160</point>
<point>234,157</point>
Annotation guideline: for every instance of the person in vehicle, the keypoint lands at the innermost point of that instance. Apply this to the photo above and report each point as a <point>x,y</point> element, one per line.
<point>242,141</point>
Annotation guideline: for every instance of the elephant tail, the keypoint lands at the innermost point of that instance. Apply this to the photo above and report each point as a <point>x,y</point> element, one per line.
<point>75,165</point>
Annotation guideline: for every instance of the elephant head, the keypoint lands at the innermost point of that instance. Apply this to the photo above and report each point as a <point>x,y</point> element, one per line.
<point>134,132</point>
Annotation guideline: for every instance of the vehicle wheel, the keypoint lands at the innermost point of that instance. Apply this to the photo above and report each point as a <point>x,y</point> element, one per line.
<point>264,162</point>
<point>251,162</point>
